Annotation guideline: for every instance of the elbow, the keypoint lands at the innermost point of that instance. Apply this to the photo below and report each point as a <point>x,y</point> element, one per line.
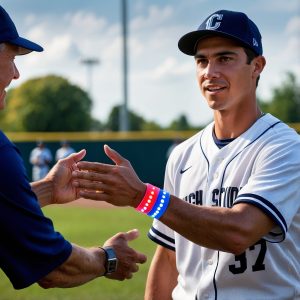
<point>239,242</point>
<point>237,248</point>
<point>45,284</point>
<point>52,280</point>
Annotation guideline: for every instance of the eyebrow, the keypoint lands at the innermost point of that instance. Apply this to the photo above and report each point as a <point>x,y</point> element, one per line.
<point>221,53</point>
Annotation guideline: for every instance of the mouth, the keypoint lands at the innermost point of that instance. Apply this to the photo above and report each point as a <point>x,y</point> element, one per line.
<point>214,88</point>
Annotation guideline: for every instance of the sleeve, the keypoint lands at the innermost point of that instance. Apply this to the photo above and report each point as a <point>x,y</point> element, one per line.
<point>160,233</point>
<point>274,186</point>
<point>30,248</point>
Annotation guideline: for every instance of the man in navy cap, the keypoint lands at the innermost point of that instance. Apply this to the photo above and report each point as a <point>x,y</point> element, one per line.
<point>30,249</point>
<point>230,227</point>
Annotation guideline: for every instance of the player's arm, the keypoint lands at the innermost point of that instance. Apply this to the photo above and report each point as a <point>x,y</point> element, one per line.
<point>159,286</point>
<point>227,229</point>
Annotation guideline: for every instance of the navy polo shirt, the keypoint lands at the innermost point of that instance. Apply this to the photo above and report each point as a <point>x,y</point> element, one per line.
<point>29,246</point>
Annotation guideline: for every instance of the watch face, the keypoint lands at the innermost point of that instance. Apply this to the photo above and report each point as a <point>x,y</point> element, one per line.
<point>112,265</point>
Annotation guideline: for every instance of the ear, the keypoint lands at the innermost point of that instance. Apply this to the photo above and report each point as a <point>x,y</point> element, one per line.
<point>258,63</point>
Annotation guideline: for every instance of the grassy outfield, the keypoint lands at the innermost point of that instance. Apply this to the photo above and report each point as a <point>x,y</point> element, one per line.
<point>91,227</point>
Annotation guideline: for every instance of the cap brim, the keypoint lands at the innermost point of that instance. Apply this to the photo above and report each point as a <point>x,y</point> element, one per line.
<point>25,46</point>
<point>188,43</point>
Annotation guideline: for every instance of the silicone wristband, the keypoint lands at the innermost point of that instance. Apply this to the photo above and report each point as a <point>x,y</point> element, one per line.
<point>161,205</point>
<point>149,199</point>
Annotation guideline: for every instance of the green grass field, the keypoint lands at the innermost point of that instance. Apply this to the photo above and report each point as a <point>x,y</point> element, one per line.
<point>90,227</point>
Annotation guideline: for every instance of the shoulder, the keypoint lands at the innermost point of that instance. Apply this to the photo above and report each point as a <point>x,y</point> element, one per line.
<point>7,148</point>
<point>278,142</point>
<point>279,133</point>
<point>4,140</point>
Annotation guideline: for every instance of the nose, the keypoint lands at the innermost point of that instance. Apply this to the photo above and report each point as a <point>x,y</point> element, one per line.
<point>16,72</point>
<point>211,71</point>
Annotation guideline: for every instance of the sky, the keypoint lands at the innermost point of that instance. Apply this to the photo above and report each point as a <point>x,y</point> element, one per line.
<point>162,83</point>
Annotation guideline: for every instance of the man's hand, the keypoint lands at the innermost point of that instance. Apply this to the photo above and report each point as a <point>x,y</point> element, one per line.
<point>127,257</point>
<point>117,184</point>
<point>61,178</point>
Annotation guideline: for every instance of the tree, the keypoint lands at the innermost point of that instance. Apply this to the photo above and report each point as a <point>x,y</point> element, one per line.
<point>136,122</point>
<point>151,126</point>
<point>49,103</point>
<point>285,102</point>
<point>181,123</point>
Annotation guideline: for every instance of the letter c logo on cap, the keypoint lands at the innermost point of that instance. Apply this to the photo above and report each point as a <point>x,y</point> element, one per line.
<point>212,23</point>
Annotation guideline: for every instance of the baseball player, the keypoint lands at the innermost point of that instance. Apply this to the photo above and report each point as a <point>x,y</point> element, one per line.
<point>40,158</point>
<point>227,222</point>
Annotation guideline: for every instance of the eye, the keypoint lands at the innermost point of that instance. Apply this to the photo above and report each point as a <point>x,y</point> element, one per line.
<point>201,61</point>
<point>225,59</point>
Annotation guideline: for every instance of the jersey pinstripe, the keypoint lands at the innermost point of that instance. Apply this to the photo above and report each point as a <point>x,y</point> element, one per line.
<point>261,167</point>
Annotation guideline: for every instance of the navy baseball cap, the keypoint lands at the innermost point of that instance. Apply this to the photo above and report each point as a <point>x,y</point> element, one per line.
<point>225,23</point>
<point>9,34</point>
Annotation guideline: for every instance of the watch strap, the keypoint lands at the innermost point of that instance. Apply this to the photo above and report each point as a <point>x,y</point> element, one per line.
<point>111,260</point>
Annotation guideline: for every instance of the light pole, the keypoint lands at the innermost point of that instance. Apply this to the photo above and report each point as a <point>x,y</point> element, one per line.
<point>123,117</point>
<point>90,63</point>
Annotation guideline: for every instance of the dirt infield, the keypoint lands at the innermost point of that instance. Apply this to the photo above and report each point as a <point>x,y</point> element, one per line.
<point>90,203</point>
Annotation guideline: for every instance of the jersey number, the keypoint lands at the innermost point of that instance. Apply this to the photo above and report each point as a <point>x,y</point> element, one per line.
<point>241,260</point>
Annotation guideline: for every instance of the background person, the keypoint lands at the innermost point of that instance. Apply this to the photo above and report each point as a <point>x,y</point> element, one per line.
<point>31,251</point>
<point>64,151</point>
<point>230,229</point>
<point>40,158</point>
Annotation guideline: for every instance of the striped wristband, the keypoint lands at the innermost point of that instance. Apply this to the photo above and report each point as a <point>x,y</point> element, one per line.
<point>155,202</point>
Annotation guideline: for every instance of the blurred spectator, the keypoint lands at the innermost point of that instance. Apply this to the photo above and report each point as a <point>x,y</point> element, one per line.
<point>40,158</point>
<point>64,151</point>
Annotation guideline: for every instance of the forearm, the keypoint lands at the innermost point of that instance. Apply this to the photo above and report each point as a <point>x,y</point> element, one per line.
<point>226,229</point>
<point>159,286</point>
<point>82,266</point>
<point>44,191</point>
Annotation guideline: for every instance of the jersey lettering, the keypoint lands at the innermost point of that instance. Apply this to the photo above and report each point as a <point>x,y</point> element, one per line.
<point>225,196</point>
<point>215,197</point>
<point>220,197</point>
<point>195,198</point>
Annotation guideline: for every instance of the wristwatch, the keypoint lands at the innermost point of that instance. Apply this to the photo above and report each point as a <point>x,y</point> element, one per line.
<point>111,261</point>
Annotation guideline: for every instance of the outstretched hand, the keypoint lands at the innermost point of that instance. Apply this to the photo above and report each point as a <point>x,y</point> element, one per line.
<point>116,184</point>
<point>61,177</point>
<point>127,257</point>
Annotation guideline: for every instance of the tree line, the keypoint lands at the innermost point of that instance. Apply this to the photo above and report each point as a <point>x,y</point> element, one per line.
<point>53,104</point>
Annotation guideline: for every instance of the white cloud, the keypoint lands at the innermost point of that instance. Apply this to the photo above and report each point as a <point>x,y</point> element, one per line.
<point>171,68</point>
<point>293,26</point>
<point>156,16</point>
<point>85,21</point>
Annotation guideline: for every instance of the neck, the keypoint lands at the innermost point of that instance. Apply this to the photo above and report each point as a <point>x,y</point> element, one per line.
<point>231,125</point>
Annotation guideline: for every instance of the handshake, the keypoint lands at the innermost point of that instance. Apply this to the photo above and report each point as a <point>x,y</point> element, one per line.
<point>71,179</point>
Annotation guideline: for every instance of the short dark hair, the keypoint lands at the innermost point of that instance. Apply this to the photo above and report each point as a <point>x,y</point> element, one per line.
<point>250,56</point>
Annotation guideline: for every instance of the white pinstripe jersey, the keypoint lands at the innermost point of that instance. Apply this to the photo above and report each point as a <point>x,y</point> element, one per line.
<point>261,167</point>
